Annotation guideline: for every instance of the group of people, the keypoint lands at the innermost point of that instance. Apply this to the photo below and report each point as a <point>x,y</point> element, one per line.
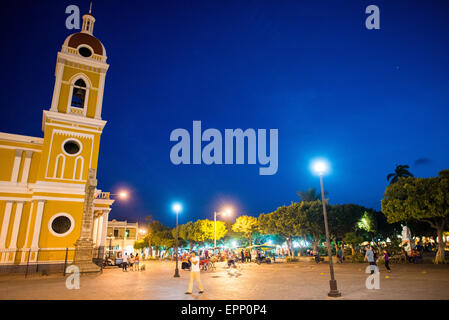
<point>132,261</point>
<point>371,256</point>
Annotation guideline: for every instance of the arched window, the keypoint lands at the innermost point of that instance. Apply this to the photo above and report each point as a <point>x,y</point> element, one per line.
<point>78,94</point>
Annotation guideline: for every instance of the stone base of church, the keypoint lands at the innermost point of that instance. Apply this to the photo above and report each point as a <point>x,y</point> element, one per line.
<point>84,256</point>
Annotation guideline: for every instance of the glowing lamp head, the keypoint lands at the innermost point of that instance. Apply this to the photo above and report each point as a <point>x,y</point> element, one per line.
<point>227,212</point>
<point>177,207</point>
<point>123,194</point>
<point>320,167</point>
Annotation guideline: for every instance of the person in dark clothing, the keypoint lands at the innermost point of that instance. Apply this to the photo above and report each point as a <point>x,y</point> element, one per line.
<point>387,260</point>
<point>242,254</point>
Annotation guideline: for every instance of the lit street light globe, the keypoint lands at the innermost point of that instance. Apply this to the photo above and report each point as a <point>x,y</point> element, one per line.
<point>123,194</point>
<point>177,207</point>
<point>320,167</point>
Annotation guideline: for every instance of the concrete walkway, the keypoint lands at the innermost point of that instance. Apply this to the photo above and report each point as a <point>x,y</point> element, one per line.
<point>303,280</point>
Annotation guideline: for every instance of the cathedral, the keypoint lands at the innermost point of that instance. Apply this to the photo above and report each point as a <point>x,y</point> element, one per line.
<point>44,205</point>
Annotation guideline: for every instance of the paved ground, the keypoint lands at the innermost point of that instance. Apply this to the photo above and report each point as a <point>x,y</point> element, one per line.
<point>303,280</point>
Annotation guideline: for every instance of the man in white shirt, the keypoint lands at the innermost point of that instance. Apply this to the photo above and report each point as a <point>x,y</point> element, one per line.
<point>194,273</point>
<point>125,262</point>
<point>369,256</point>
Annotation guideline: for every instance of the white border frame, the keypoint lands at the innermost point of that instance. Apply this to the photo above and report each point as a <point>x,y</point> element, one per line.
<point>61,214</point>
<point>79,144</point>
<point>88,47</point>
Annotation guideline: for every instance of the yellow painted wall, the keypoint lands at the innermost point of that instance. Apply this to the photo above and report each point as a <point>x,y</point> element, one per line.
<point>52,207</point>
<point>34,167</point>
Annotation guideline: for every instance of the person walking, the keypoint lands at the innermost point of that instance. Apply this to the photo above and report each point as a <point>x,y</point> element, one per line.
<point>131,262</point>
<point>340,255</point>
<point>387,260</point>
<point>242,254</point>
<point>195,273</point>
<point>136,262</point>
<point>369,256</point>
<point>125,262</point>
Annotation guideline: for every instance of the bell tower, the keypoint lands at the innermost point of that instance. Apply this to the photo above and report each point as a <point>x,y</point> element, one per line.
<point>73,125</point>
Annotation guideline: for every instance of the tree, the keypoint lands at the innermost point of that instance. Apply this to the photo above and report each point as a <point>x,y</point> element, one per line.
<point>343,218</point>
<point>421,199</point>
<point>309,195</point>
<point>187,233</point>
<point>311,220</point>
<point>284,221</point>
<point>154,227</point>
<point>246,225</point>
<point>400,171</point>
<point>204,230</point>
<point>354,240</point>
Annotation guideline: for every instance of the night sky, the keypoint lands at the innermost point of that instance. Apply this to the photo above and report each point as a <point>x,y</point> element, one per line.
<point>364,99</point>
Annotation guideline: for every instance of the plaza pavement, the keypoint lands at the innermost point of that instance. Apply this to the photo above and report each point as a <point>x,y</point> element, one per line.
<point>302,280</point>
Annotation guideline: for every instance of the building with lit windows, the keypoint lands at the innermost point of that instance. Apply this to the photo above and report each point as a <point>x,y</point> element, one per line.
<point>121,235</point>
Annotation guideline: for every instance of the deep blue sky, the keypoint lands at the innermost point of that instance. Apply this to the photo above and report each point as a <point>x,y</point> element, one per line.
<point>365,99</point>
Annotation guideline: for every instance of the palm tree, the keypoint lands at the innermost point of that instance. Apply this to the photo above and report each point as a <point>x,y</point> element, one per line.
<point>400,171</point>
<point>310,195</point>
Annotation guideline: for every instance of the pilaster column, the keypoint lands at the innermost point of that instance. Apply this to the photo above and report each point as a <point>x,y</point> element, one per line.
<point>94,230</point>
<point>37,225</point>
<point>26,166</point>
<point>100,95</point>
<point>15,231</point>
<point>105,228</point>
<point>99,230</point>
<point>16,167</point>
<point>5,224</point>
<point>15,228</point>
<point>57,88</point>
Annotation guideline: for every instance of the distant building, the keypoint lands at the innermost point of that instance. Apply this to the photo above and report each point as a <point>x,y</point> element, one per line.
<point>121,235</point>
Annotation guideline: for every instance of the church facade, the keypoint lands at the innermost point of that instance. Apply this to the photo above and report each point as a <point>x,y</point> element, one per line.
<point>42,180</point>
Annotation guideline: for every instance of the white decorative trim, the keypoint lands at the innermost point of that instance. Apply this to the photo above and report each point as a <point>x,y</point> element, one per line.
<point>5,224</point>
<point>57,88</point>
<point>16,225</point>
<point>71,139</point>
<point>72,119</point>
<point>83,61</point>
<point>37,224</point>
<point>27,234</point>
<point>76,168</point>
<point>100,96</point>
<point>62,214</point>
<point>73,134</point>
<point>44,198</point>
<point>26,166</point>
<point>13,187</point>
<point>20,138</point>
<point>57,166</point>
<point>57,187</point>
<point>16,167</point>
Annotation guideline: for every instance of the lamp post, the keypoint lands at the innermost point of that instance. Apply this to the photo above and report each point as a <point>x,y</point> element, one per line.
<point>176,208</point>
<point>225,213</point>
<point>321,167</point>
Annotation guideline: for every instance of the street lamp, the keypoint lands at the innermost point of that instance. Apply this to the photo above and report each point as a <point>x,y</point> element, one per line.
<point>225,213</point>
<point>176,208</point>
<point>122,194</point>
<point>321,167</point>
